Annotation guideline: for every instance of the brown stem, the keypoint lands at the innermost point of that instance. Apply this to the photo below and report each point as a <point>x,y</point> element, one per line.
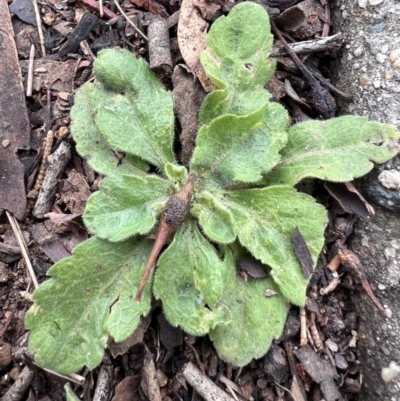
<point>174,214</point>
<point>351,261</point>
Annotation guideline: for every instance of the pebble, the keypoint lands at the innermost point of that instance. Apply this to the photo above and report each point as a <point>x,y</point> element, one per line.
<point>340,361</point>
<point>384,49</point>
<point>396,64</point>
<point>377,84</point>
<point>380,58</point>
<point>375,2</point>
<point>394,54</point>
<point>331,345</point>
<point>378,28</point>
<point>385,351</point>
<point>365,79</point>
<point>359,51</point>
<point>344,14</point>
<point>381,287</point>
<point>362,3</point>
<point>390,179</point>
<point>389,75</point>
<point>356,66</point>
<point>391,372</point>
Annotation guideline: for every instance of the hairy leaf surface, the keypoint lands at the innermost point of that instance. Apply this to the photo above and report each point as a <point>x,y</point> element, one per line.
<point>339,150</point>
<point>236,149</point>
<point>90,142</point>
<point>239,68</point>
<point>126,205</point>
<point>256,318</point>
<point>265,220</point>
<point>190,299</point>
<point>132,110</point>
<point>89,296</point>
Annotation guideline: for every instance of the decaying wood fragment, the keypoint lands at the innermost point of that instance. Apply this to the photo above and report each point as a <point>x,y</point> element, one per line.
<point>81,31</point>
<point>159,48</point>
<point>103,385</point>
<point>203,385</point>
<point>310,46</point>
<point>17,390</point>
<point>351,261</point>
<point>56,165</point>
<point>14,121</point>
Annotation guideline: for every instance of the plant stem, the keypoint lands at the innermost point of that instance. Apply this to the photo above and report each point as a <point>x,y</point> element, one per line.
<point>174,214</point>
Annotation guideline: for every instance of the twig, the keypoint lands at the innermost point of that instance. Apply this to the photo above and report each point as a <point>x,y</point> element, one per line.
<point>351,261</point>
<point>22,245</point>
<point>310,46</point>
<point>234,386</point>
<point>8,321</point>
<point>129,21</point>
<point>73,377</point>
<point>287,390</point>
<point>17,390</point>
<point>101,11</point>
<point>29,84</point>
<point>303,327</point>
<point>330,287</point>
<point>33,194</point>
<point>103,386</point>
<point>39,25</point>
<point>203,385</point>
<point>92,4</point>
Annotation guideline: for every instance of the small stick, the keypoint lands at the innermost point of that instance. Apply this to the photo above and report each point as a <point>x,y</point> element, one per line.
<point>330,287</point>
<point>334,264</point>
<point>8,321</point>
<point>39,25</point>
<point>73,377</point>
<point>22,245</point>
<point>129,21</point>
<point>310,46</point>
<point>101,11</point>
<point>29,84</point>
<point>18,389</point>
<point>33,194</point>
<point>351,261</point>
<point>92,4</point>
<point>303,327</point>
<point>231,385</point>
<point>203,385</point>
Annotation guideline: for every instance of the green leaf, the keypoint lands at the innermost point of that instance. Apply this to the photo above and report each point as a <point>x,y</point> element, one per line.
<point>240,149</point>
<point>90,296</point>
<point>339,150</point>
<point>90,143</point>
<point>214,217</point>
<point>125,206</point>
<point>177,174</point>
<point>132,110</point>
<point>189,281</point>
<point>255,318</point>
<point>70,395</point>
<point>265,220</point>
<point>240,68</point>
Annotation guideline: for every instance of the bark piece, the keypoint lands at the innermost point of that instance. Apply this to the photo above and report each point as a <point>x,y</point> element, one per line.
<point>24,10</point>
<point>188,95</point>
<point>159,48</point>
<point>17,390</point>
<point>126,389</point>
<point>81,31</point>
<point>14,122</point>
<point>5,355</point>
<point>152,6</point>
<point>275,364</point>
<point>74,192</point>
<point>50,74</point>
<point>203,385</point>
<point>192,39</point>
<point>56,165</point>
<point>302,20</point>
<point>149,382</point>
<point>103,386</point>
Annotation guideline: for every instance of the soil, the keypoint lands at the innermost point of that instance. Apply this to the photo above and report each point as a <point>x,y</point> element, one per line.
<point>327,368</point>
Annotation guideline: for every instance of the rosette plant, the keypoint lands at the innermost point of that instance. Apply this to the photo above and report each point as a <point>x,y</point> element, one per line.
<point>236,196</point>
